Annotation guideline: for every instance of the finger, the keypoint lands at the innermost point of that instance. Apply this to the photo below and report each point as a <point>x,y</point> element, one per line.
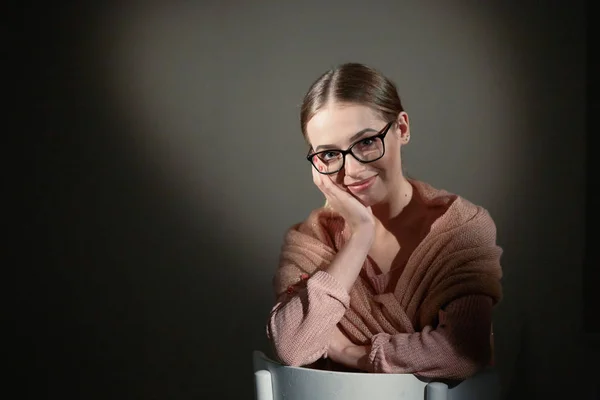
<point>316,176</point>
<point>325,182</point>
<point>330,186</point>
<point>327,187</point>
<point>319,180</point>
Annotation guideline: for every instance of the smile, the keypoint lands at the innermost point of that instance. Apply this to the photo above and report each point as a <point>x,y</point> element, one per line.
<point>362,185</point>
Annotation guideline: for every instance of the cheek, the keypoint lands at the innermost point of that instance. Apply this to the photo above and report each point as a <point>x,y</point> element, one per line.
<point>387,165</point>
<point>381,166</point>
<point>338,179</point>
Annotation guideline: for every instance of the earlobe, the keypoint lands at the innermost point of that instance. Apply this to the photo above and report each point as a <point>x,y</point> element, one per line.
<point>404,134</point>
<point>404,127</point>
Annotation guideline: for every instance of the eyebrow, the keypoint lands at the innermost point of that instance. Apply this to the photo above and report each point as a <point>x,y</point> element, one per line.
<point>352,139</point>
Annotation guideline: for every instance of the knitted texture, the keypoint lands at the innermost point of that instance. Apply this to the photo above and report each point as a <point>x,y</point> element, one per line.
<point>450,281</point>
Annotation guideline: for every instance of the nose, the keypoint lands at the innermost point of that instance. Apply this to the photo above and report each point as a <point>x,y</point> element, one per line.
<point>352,166</point>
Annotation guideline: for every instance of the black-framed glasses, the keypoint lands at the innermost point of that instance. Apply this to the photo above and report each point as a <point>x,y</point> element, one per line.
<point>366,150</point>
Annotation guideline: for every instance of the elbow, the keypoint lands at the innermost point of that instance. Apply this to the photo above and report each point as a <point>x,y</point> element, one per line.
<point>291,345</point>
<point>468,367</point>
<point>473,354</point>
<point>473,363</point>
<point>290,353</point>
<point>283,348</point>
<point>293,360</point>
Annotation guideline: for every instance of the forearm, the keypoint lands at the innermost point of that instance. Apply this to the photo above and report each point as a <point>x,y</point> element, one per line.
<point>301,325</point>
<point>456,349</point>
<point>347,264</point>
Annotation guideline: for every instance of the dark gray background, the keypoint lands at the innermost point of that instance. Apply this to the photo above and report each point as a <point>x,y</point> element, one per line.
<point>168,162</point>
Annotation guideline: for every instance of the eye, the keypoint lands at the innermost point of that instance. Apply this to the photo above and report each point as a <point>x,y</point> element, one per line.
<point>329,155</point>
<point>367,143</point>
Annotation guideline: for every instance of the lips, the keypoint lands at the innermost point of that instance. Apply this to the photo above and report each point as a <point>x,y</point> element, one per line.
<point>361,185</point>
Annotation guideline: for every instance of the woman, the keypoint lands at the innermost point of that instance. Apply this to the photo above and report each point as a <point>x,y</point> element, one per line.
<point>391,275</point>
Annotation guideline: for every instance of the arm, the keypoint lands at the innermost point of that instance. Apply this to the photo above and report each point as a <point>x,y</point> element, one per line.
<point>301,323</point>
<point>456,349</point>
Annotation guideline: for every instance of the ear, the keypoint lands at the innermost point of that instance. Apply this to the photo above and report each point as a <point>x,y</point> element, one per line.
<point>404,127</point>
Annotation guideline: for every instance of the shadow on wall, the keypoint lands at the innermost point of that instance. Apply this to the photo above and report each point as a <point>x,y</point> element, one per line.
<point>132,297</point>
<point>129,292</point>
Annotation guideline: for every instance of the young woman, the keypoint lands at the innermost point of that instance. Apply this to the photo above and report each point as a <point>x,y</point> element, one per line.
<point>392,275</point>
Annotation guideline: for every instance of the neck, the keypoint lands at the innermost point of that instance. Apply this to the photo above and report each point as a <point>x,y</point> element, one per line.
<point>398,199</point>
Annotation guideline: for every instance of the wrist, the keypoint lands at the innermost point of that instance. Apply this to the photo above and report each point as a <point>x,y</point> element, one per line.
<point>357,356</point>
<point>335,351</point>
<point>364,234</point>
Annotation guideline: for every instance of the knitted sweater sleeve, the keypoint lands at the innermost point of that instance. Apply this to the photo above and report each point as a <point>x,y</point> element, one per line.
<point>302,321</point>
<point>457,348</point>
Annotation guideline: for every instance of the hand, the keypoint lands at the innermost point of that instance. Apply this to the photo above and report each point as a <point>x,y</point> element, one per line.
<point>353,211</point>
<point>338,343</point>
<point>344,352</point>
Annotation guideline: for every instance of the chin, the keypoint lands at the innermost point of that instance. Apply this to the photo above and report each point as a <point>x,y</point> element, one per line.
<point>369,199</point>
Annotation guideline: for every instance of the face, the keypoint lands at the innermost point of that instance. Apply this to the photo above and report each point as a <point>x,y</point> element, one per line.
<point>339,126</point>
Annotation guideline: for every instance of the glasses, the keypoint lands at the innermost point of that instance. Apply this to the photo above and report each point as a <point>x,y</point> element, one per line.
<point>366,150</point>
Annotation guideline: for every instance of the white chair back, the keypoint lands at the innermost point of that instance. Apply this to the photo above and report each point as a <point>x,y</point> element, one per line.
<point>274,381</point>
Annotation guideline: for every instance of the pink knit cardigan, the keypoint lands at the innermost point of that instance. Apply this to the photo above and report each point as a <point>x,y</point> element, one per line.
<point>436,321</point>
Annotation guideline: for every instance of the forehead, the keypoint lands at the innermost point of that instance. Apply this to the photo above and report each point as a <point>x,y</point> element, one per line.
<point>337,123</point>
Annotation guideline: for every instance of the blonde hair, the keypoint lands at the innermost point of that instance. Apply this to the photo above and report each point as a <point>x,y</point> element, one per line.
<point>352,83</point>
